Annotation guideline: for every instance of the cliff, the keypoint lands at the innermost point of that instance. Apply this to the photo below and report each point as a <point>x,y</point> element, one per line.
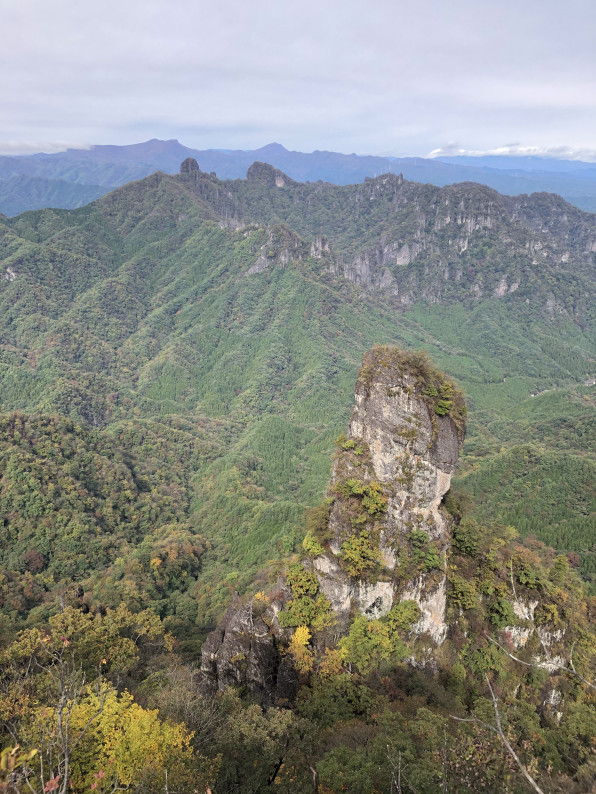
<point>378,540</point>
<point>412,242</point>
<point>246,650</point>
<point>387,535</point>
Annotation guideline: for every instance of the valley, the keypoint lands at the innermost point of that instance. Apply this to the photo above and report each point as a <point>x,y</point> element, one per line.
<point>223,323</point>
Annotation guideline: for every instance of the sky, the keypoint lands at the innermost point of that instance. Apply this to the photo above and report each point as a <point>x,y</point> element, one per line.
<point>389,77</point>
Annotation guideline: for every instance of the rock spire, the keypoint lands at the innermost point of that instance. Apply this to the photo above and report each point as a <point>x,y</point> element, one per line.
<point>379,538</point>
<point>386,529</point>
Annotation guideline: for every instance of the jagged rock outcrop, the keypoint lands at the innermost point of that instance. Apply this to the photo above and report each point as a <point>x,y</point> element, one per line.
<point>417,242</point>
<point>282,246</point>
<point>403,442</point>
<point>452,230</point>
<point>384,537</point>
<point>244,650</point>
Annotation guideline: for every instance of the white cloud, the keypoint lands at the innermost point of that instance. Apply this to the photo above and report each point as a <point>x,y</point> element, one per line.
<point>33,147</point>
<point>453,149</point>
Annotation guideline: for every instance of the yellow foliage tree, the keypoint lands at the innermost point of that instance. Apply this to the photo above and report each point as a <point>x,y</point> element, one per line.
<point>332,663</point>
<point>116,741</point>
<point>303,656</point>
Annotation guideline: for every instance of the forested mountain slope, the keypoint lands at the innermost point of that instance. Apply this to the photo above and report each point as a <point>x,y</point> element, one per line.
<point>403,647</point>
<point>218,325</point>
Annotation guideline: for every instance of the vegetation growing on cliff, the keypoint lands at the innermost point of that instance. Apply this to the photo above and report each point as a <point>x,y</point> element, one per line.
<point>519,650</point>
<point>363,717</point>
<point>136,317</point>
<point>308,607</point>
<point>377,644</point>
<point>438,391</point>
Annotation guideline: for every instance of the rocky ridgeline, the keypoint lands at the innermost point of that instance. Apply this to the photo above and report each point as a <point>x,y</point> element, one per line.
<point>408,241</point>
<point>379,538</point>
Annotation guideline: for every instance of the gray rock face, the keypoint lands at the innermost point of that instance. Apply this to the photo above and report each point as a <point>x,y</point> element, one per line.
<point>417,242</point>
<point>244,651</point>
<point>267,175</point>
<point>392,471</point>
<point>398,441</point>
<point>442,235</point>
<point>282,246</point>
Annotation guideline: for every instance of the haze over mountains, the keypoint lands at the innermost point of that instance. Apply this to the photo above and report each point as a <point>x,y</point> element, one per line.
<point>73,178</point>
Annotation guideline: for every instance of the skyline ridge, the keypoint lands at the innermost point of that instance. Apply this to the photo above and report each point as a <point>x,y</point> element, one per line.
<point>54,180</point>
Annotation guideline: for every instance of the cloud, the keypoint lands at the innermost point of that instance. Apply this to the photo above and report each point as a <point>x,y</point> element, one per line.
<point>349,75</point>
<point>453,149</point>
<point>33,147</point>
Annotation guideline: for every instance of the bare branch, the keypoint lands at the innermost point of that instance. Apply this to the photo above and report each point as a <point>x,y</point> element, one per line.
<point>498,730</point>
<point>477,720</point>
<point>571,669</point>
<point>507,744</point>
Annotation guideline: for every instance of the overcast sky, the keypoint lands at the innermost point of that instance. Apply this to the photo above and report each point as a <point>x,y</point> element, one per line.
<point>393,77</point>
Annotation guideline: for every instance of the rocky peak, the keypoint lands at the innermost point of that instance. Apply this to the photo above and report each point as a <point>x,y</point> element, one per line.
<point>189,166</point>
<point>395,390</point>
<point>267,175</point>
<point>381,536</point>
<point>391,473</point>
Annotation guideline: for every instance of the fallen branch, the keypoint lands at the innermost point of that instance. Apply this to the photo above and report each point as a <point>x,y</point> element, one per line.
<point>571,669</point>
<point>498,729</point>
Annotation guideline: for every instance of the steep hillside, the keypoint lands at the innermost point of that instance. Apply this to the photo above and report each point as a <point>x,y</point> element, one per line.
<point>402,605</point>
<point>241,309</point>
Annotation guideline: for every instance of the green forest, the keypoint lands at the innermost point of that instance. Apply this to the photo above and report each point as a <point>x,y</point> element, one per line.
<point>176,362</point>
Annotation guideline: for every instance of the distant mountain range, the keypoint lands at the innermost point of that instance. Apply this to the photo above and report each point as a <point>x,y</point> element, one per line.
<point>77,176</point>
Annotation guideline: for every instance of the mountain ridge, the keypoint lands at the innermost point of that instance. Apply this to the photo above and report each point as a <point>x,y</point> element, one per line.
<point>221,308</point>
<point>111,166</point>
